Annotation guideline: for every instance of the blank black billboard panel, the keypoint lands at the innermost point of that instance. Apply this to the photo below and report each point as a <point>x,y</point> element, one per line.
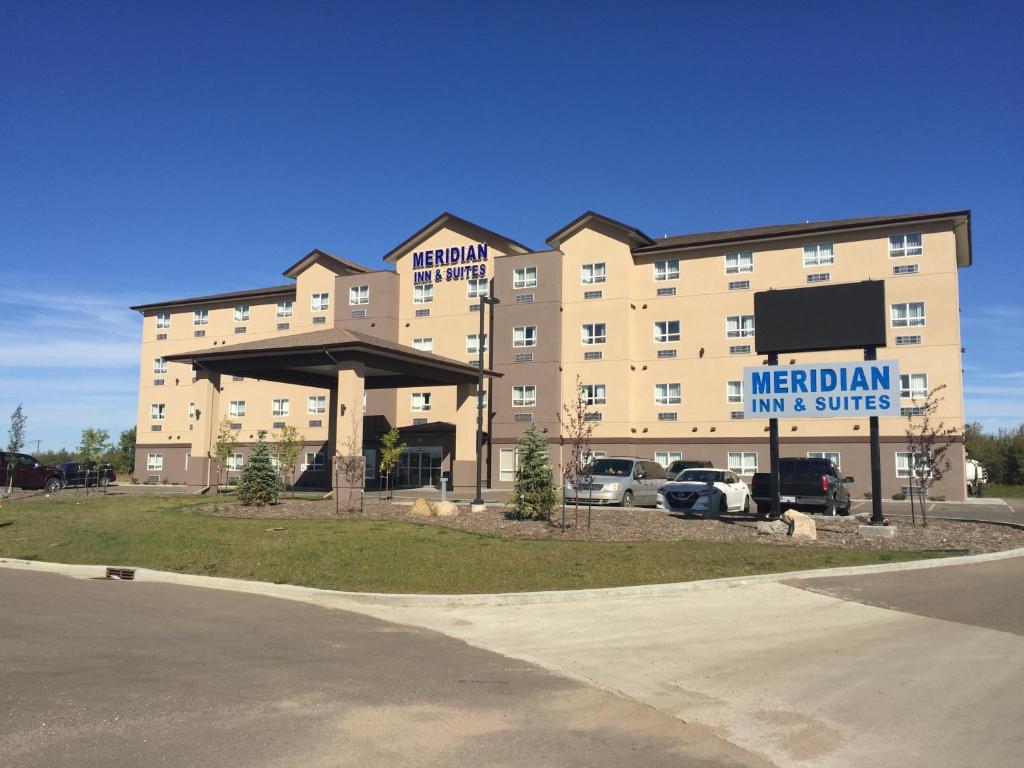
<point>842,316</point>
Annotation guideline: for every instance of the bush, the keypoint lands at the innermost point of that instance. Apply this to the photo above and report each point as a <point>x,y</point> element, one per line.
<point>258,484</point>
<point>936,498</point>
<point>867,494</point>
<point>533,495</point>
<point>899,496</point>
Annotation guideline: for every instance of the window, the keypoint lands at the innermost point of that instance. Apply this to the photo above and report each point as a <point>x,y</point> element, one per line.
<point>739,326</point>
<point>423,294</point>
<point>666,270</point>
<point>320,302</point>
<point>191,411</point>
<point>667,457</point>
<point>420,401</point>
<point>163,320</point>
<point>906,461</point>
<point>359,294</point>
<point>155,461</point>
<point>592,273</point>
<point>832,456</point>
<point>508,462</point>
<point>241,313</point>
<point>370,463</point>
<point>476,287</point>
<point>423,344</point>
<point>666,330</point>
<point>668,394</point>
<point>913,385</point>
<point>524,277</point>
<point>734,391</point>
<point>316,404</point>
<point>200,317</point>
<point>524,336</point>
<point>908,315</point>
<point>594,394</point>
<point>236,409</point>
<point>279,407</point>
<point>905,245</point>
<point>284,308</point>
<point>157,411</point>
<point>738,263</point>
<point>817,254</point>
<point>594,333</point>
<point>159,365</point>
<point>524,396</point>
<point>235,462</point>
<point>314,462</point>
<point>742,463</point>
<point>473,344</point>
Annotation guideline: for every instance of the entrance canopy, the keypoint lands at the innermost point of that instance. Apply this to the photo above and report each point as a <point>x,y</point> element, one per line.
<point>312,359</point>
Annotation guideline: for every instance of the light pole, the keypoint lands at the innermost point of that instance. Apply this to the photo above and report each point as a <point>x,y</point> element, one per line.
<point>478,502</point>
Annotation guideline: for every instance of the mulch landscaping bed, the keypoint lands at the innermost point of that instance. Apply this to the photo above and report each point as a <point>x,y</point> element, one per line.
<point>614,524</point>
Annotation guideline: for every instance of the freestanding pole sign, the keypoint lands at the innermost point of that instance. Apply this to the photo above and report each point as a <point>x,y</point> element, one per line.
<point>478,501</point>
<point>833,317</point>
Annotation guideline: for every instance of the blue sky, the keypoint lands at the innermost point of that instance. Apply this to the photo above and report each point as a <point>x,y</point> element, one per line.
<point>156,150</point>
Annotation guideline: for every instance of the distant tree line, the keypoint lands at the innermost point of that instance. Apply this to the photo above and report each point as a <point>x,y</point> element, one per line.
<point>95,445</point>
<point>1002,453</point>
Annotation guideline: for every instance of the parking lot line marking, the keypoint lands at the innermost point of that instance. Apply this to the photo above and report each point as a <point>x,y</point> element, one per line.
<point>931,507</point>
<point>859,504</point>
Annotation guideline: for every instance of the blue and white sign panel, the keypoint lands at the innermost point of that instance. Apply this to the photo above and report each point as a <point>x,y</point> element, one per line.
<point>822,391</point>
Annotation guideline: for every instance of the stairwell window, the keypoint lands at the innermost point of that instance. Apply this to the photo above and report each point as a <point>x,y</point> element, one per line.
<point>668,394</point>
<point>359,294</point>
<point>666,331</point>
<point>817,254</point>
<point>739,326</point>
<point>739,263</point>
<point>666,270</point>
<point>524,336</point>
<point>908,315</point>
<point>905,245</point>
<point>524,277</point>
<point>594,333</point>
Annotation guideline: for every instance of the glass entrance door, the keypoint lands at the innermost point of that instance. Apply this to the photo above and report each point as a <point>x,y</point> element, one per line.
<point>419,467</point>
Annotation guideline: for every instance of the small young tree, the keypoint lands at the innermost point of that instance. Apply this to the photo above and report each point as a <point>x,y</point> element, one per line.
<point>224,449</point>
<point>533,495</point>
<point>289,445</point>
<point>577,428</point>
<point>15,442</point>
<point>93,445</point>
<point>351,466</point>
<point>125,454</point>
<point>928,440</point>
<point>390,452</point>
<point>258,483</point>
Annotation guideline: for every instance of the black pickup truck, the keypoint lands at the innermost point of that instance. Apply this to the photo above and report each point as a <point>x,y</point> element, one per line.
<point>806,485</point>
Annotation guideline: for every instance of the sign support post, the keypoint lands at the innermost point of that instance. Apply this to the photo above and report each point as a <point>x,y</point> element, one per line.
<point>478,501</point>
<point>870,353</point>
<point>773,449</point>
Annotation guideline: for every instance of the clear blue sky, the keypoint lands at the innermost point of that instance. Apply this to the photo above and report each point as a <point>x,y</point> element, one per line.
<point>152,150</point>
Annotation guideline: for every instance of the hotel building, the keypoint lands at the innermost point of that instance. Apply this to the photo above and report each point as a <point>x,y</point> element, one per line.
<point>657,330</point>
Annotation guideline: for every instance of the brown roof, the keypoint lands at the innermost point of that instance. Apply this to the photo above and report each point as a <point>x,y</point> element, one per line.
<point>328,338</point>
<point>639,237</point>
<point>330,258</point>
<point>445,218</point>
<point>274,290</point>
<point>783,230</point>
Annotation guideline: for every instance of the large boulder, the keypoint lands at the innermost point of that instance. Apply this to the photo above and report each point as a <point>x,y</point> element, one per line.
<point>445,509</point>
<point>422,508</point>
<point>801,526</point>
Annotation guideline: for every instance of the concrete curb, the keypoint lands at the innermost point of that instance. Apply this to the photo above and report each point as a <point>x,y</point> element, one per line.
<point>331,598</point>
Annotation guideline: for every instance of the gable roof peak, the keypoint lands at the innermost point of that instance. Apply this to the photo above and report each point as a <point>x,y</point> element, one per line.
<point>447,218</point>
<point>636,236</point>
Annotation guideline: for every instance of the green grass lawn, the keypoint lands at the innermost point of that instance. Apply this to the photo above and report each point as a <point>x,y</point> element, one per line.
<point>177,533</point>
<point>1004,491</point>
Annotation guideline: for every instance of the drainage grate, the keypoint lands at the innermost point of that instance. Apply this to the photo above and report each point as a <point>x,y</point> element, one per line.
<point>124,574</point>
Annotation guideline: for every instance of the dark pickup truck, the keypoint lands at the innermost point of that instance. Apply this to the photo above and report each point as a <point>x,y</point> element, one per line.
<point>87,473</point>
<point>23,471</point>
<point>806,485</point>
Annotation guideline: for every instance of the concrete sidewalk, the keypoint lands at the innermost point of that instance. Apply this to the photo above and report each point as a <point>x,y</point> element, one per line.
<point>805,679</point>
